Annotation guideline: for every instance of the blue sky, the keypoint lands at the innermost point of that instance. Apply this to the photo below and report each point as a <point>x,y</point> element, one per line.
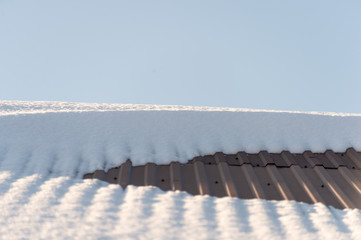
<point>283,55</point>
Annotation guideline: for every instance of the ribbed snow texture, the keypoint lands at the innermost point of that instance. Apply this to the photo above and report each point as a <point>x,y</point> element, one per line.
<point>34,207</point>
<point>46,147</point>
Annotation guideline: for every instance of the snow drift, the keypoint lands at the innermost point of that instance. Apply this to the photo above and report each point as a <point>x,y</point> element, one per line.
<point>72,139</point>
<point>46,147</point>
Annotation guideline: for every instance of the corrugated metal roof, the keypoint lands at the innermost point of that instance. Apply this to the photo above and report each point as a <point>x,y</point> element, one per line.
<point>330,178</point>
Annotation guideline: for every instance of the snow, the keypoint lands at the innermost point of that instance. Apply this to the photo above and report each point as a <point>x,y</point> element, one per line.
<point>46,147</point>
<point>67,208</point>
<point>72,138</point>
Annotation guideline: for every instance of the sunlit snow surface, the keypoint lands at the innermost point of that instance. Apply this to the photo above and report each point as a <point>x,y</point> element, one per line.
<point>46,147</point>
<point>72,138</point>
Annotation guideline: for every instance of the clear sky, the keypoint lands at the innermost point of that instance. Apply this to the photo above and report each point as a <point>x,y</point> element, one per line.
<point>282,55</point>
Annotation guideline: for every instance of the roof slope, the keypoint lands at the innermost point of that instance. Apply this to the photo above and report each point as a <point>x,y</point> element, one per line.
<point>46,148</point>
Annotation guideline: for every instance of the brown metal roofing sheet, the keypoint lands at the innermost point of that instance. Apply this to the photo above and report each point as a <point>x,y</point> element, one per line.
<point>346,187</point>
<point>175,176</point>
<point>201,178</point>
<point>266,158</point>
<point>227,180</point>
<point>189,179</point>
<point>320,188</point>
<point>125,173</point>
<point>290,175</point>
<point>255,160</point>
<point>270,188</point>
<point>137,176</point>
<point>242,158</point>
<point>288,158</point>
<point>280,183</point>
<point>306,185</point>
<point>334,186</point>
<point>226,176</point>
<point>279,160</point>
<point>331,178</point>
<point>163,177</point>
<point>347,161</point>
<point>334,158</point>
<point>350,178</point>
<point>354,156</point>
<point>240,182</point>
<point>232,159</point>
<point>301,161</point>
<point>253,181</point>
<point>112,175</point>
<point>214,181</point>
<point>355,177</point>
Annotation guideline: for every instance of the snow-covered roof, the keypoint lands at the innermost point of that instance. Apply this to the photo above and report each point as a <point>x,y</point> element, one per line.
<point>46,148</point>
